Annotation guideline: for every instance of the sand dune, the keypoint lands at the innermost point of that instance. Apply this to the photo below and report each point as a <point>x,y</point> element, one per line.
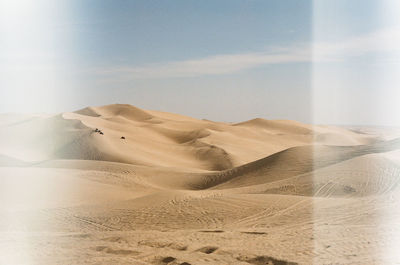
<point>158,139</point>
<point>178,190</point>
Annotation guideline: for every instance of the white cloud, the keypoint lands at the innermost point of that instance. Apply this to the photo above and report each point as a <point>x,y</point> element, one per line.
<point>213,65</point>
<point>387,40</point>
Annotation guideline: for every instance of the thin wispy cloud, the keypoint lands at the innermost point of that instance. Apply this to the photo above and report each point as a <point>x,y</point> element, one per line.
<point>213,65</point>
<point>387,40</point>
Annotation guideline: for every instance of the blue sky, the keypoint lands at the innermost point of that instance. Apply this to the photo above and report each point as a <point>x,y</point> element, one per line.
<point>158,31</point>
<point>228,60</point>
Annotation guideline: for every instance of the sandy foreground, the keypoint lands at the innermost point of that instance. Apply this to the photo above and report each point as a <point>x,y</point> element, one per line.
<point>121,185</point>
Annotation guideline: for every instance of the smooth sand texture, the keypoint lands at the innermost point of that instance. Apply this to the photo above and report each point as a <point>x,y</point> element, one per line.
<point>179,190</point>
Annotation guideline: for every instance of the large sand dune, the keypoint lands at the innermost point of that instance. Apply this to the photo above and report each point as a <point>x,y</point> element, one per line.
<point>178,190</point>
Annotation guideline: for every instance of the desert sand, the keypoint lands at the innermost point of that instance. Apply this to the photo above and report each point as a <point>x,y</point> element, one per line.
<point>120,185</point>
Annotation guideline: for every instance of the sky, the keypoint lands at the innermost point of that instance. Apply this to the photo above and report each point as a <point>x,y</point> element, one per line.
<point>325,62</point>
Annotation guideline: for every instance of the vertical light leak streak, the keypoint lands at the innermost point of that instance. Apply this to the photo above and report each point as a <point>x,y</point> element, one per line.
<point>388,68</point>
<point>30,63</point>
<point>389,80</point>
<point>27,68</point>
<point>31,53</point>
<point>360,88</point>
<point>20,65</point>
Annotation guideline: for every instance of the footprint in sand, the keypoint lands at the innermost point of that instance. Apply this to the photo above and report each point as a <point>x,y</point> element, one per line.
<point>265,260</point>
<point>212,231</point>
<point>164,260</point>
<point>207,250</point>
<point>254,233</point>
<point>169,259</point>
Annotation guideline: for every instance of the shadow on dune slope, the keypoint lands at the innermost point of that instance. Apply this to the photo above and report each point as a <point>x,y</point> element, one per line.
<point>288,163</point>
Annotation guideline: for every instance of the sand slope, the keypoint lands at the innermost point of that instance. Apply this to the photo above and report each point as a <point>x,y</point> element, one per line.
<point>179,190</point>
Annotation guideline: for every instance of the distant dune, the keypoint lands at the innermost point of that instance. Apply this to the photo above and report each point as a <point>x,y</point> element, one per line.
<point>120,185</point>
